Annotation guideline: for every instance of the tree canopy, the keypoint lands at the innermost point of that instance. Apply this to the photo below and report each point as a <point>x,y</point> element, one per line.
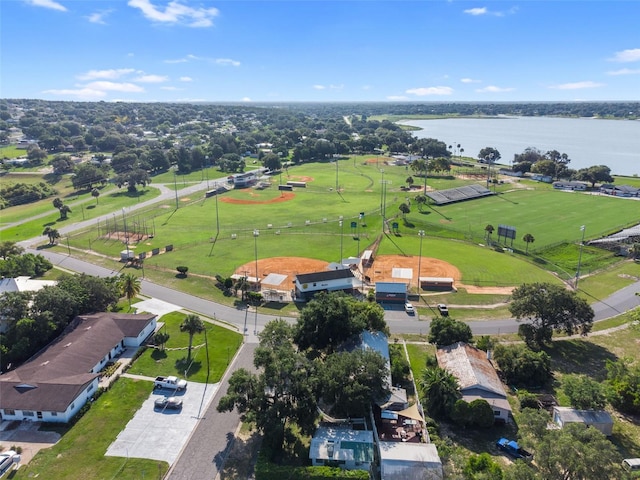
<point>447,331</point>
<point>547,307</point>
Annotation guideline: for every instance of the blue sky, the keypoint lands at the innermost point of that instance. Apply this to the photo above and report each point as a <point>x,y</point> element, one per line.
<point>317,50</point>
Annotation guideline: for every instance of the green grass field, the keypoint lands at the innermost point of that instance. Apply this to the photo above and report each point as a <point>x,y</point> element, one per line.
<point>223,344</point>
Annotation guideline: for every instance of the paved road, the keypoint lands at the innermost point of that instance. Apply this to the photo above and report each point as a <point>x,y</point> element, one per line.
<point>206,451</point>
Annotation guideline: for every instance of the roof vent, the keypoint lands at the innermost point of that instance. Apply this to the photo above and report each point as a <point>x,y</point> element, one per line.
<point>68,345</point>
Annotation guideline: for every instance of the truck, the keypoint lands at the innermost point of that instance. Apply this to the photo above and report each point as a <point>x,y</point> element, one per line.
<point>514,450</point>
<point>172,383</point>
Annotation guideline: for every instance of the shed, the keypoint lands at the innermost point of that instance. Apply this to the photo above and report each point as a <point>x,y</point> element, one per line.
<point>403,460</point>
<point>391,292</point>
<point>599,419</point>
<point>342,447</point>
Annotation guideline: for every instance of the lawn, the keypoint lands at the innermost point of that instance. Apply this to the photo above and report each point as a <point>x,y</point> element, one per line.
<point>80,453</point>
<point>222,346</point>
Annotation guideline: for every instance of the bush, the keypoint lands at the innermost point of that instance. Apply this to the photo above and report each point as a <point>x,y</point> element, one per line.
<point>528,400</point>
<point>522,366</point>
<point>266,470</point>
<point>182,270</point>
<point>447,331</point>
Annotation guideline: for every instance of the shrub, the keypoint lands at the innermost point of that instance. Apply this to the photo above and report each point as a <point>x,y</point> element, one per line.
<point>522,366</point>
<point>182,270</point>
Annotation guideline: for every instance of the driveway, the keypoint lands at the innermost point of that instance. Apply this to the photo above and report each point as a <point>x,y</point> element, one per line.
<point>161,435</point>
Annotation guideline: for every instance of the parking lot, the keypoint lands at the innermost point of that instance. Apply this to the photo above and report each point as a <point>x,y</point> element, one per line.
<point>160,435</point>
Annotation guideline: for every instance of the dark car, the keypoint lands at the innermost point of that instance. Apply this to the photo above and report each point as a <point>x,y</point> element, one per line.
<point>444,311</point>
<point>173,403</point>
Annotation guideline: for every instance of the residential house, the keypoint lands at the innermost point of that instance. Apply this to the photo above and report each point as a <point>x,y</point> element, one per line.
<point>620,190</point>
<point>566,185</point>
<point>477,377</point>
<point>343,447</point>
<point>54,384</point>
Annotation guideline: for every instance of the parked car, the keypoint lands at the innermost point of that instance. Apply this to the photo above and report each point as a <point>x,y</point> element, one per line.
<point>631,464</point>
<point>512,448</point>
<point>172,403</point>
<point>8,458</point>
<point>172,383</point>
<point>409,308</point>
<point>444,311</point>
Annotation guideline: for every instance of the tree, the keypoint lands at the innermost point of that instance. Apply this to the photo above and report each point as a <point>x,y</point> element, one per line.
<point>161,338</point>
<point>547,307</point>
<point>65,210</point>
<point>272,162</point>
<point>52,233</point>
<point>409,181</point>
<point>635,250</point>
<point>482,467</point>
<point>331,318</point>
<point>182,270</point>
<point>489,153</point>
<point>95,193</point>
<point>528,238</point>
<point>352,381</point>
<point>482,413</point>
<point>583,392</point>
<point>87,175</point>
<point>447,331</point>
<point>577,452</point>
<point>56,301</point>
<point>93,294</point>
<point>623,380</point>
<point>489,229</point>
<point>440,390</point>
<point>192,324</point>
<point>404,209</point>
<point>440,164</point>
<point>420,201</point>
<point>130,286</point>
<point>594,174</point>
<point>522,366</point>
<point>10,249</point>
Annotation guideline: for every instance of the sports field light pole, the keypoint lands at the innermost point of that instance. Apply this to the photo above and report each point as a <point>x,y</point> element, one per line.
<point>126,239</point>
<point>582,228</point>
<point>256,233</point>
<point>175,186</point>
<point>381,195</point>
<point>337,182</point>
<point>489,159</point>
<point>341,223</point>
<point>421,235</point>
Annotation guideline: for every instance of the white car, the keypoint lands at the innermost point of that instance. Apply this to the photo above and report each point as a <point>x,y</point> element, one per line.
<point>409,308</point>
<point>444,311</point>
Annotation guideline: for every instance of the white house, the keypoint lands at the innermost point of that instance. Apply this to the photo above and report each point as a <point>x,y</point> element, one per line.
<point>54,384</point>
<point>476,376</point>
<point>342,447</point>
<point>414,461</point>
<point>308,284</point>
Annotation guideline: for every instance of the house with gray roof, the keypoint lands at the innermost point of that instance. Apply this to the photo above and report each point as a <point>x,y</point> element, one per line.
<point>309,284</point>
<point>476,376</point>
<point>54,384</point>
<point>599,419</point>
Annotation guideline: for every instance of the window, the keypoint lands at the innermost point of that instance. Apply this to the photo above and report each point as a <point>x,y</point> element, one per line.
<point>73,405</point>
<point>496,413</point>
<point>90,388</point>
<point>54,414</point>
<point>28,413</point>
<point>9,411</point>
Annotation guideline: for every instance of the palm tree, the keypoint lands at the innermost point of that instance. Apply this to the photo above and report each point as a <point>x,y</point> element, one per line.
<point>440,390</point>
<point>95,193</point>
<point>404,208</point>
<point>64,211</point>
<point>489,229</point>
<point>528,238</point>
<point>130,286</point>
<point>420,200</point>
<point>52,233</point>
<point>192,324</point>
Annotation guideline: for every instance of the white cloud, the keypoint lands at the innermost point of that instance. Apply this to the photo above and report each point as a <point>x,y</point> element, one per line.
<point>577,85</point>
<point>226,62</point>
<point>625,71</point>
<point>185,59</point>
<point>246,99</point>
<point>84,93</point>
<point>625,56</point>
<point>494,89</point>
<point>422,91</point>
<point>111,74</point>
<point>319,87</point>
<point>469,80</point>
<point>476,11</point>
<point>151,79</point>
<point>176,13</point>
<point>47,4</point>
<point>336,87</point>
<point>395,98</point>
<point>114,87</point>
<point>99,17</point>
<point>186,79</point>
<point>171,89</point>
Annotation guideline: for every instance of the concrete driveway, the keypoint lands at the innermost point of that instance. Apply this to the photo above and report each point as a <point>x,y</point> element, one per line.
<point>161,435</point>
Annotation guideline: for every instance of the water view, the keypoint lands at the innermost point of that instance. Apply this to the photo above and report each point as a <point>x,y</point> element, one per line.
<point>587,141</point>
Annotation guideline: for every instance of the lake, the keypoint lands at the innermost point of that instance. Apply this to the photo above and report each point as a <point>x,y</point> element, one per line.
<point>587,141</point>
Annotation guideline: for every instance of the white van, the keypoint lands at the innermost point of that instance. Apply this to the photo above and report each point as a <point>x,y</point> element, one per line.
<point>631,464</point>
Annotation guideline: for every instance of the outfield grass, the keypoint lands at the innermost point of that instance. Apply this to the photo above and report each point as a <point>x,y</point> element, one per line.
<point>80,453</point>
<point>11,151</point>
<point>222,342</point>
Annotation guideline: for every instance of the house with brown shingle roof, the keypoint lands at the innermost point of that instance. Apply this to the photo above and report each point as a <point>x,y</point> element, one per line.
<point>476,376</point>
<point>54,384</point>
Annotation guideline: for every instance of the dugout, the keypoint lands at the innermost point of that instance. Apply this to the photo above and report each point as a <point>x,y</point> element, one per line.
<point>437,284</point>
<point>391,293</point>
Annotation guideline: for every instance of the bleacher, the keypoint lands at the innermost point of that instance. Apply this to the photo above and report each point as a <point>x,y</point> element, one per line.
<point>451,195</point>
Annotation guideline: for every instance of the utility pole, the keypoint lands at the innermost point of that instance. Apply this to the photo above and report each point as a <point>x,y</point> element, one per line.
<point>582,228</point>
